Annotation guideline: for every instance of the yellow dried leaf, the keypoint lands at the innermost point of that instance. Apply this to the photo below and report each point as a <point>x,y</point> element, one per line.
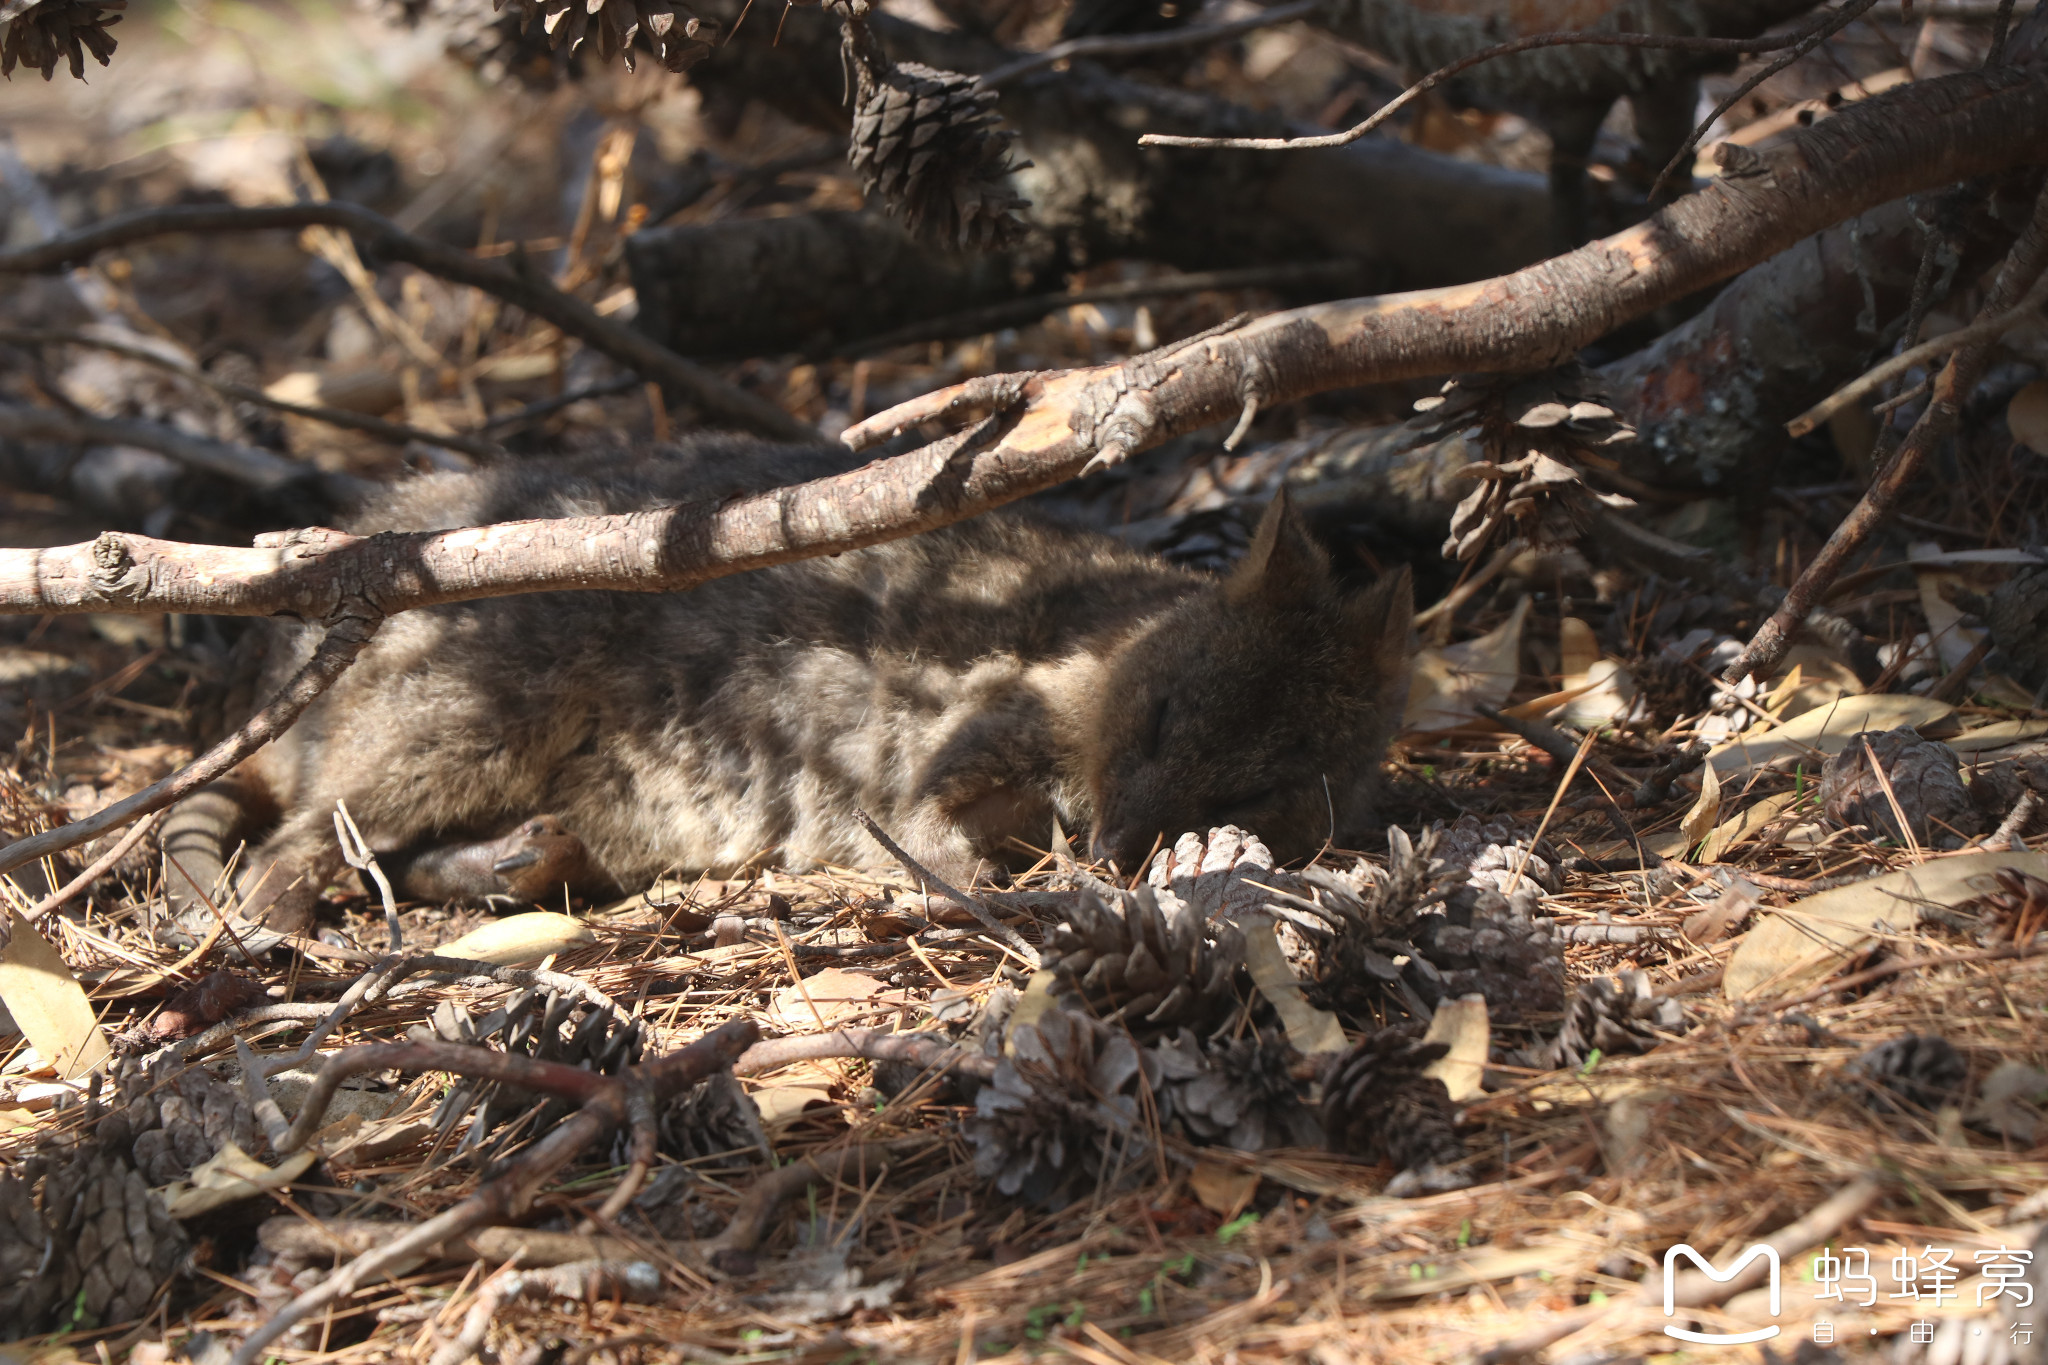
<point>230,1176</point>
<point>521,940</point>
<point>1462,1025</point>
<point>1798,945</point>
<point>1223,1190</point>
<point>48,1004</point>
<point>1825,730</point>
<point>1699,821</point>
<point>1310,1030</point>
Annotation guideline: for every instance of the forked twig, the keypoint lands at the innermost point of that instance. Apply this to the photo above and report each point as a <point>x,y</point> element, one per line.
<point>356,852</point>
<point>607,1103</point>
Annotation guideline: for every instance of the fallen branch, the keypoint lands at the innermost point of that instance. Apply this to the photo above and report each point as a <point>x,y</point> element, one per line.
<point>1662,42</point>
<point>519,286</point>
<point>397,433</point>
<point>916,1049</point>
<point>1957,380</point>
<point>263,470</point>
<point>588,1282</point>
<point>607,1103</point>
<point>749,1223</point>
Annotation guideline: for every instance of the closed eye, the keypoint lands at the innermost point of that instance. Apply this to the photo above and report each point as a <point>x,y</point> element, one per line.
<point>1155,729</point>
<point>1250,801</point>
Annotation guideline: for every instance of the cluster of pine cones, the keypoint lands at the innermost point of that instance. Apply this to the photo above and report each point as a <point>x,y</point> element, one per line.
<point>99,1244</point>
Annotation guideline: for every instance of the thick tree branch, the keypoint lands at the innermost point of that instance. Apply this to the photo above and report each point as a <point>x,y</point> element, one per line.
<point>518,286</point>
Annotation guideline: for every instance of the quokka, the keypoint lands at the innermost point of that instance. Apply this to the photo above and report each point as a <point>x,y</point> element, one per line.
<point>965,687</point>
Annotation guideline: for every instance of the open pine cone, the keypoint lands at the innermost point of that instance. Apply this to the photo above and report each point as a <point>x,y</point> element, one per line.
<point>532,1024</point>
<point>1922,1069</point>
<point>927,146</point>
<point>621,27</point>
<point>168,1120</point>
<point>116,1242</point>
<point>29,1280</point>
<point>1235,1092</point>
<point>43,33</point>
<point>1377,1103</point>
<point>1535,432</point>
<point>1925,779</point>
<point>1616,1017</point>
<point>1062,1109</point>
<point>2017,615</point>
<point>1147,960</point>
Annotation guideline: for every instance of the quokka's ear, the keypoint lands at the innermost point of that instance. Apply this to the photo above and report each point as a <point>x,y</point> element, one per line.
<point>1284,563</point>
<point>1383,619</point>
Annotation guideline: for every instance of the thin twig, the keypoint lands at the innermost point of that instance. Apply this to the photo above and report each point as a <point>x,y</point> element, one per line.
<point>344,640</point>
<point>1134,44</point>
<point>356,852</point>
<point>1984,329</point>
<point>583,1281</point>
<point>1580,38</point>
<point>99,869</point>
<point>2016,277</point>
<point>952,893</point>
<point>397,433</point>
<point>1821,27</point>
<point>925,1051</point>
<point>520,285</point>
<point>2011,829</point>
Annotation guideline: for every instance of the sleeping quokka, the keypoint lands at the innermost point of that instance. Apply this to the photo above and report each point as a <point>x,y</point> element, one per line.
<point>965,687</point>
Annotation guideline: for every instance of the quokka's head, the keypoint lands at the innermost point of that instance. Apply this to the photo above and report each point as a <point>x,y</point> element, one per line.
<point>1265,702</point>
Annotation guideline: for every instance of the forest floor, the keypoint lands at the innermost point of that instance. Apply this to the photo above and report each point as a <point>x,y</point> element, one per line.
<point>1772,1099</point>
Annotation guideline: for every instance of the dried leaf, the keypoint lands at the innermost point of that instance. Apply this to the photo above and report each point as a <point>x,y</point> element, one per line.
<point>1699,821</point>
<point>1460,1025</point>
<point>521,940</point>
<point>1824,731</point>
<point>1450,683</point>
<point>2026,416</point>
<point>1733,831</point>
<point>1310,1030</point>
<point>825,998</point>
<point>1223,1190</point>
<point>1801,944</point>
<point>1577,649</point>
<point>230,1176</point>
<point>48,1004</point>
<point>1953,640</point>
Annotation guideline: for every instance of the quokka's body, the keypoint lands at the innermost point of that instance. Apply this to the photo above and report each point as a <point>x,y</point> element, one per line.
<point>965,687</point>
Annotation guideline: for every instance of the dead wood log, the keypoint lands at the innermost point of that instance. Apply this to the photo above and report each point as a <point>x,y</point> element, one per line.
<point>518,286</point>
<point>2023,266</point>
<point>1711,397</point>
<point>1408,217</point>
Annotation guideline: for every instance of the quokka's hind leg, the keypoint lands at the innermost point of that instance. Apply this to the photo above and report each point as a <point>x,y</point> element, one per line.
<point>285,875</point>
<point>197,836</point>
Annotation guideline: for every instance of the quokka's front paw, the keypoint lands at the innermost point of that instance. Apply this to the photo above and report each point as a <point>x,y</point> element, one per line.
<point>532,863</point>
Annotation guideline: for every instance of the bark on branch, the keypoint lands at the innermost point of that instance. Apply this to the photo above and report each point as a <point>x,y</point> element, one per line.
<point>517,286</point>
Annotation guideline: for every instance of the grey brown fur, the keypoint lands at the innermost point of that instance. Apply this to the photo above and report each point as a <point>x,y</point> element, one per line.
<point>965,687</point>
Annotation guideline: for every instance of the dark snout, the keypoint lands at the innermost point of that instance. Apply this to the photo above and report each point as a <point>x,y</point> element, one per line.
<point>1126,846</point>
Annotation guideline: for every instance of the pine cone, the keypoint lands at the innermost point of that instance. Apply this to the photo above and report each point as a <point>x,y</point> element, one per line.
<point>168,1121</point>
<point>2017,615</point>
<point>1228,874</point>
<point>1923,1069</point>
<point>1535,431</point>
<point>1147,960</point>
<point>1378,1104</point>
<point>1615,1016</point>
<point>531,1024</point>
<point>714,1118</point>
<point>479,34</point>
<point>1238,1092</point>
<point>1924,775</point>
<point>45,33</point>
<point>29,1285</point>
<point>1062,1109</point>
<point>622,27</point>
<point>118,1242</point>
<point>926,144</point>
